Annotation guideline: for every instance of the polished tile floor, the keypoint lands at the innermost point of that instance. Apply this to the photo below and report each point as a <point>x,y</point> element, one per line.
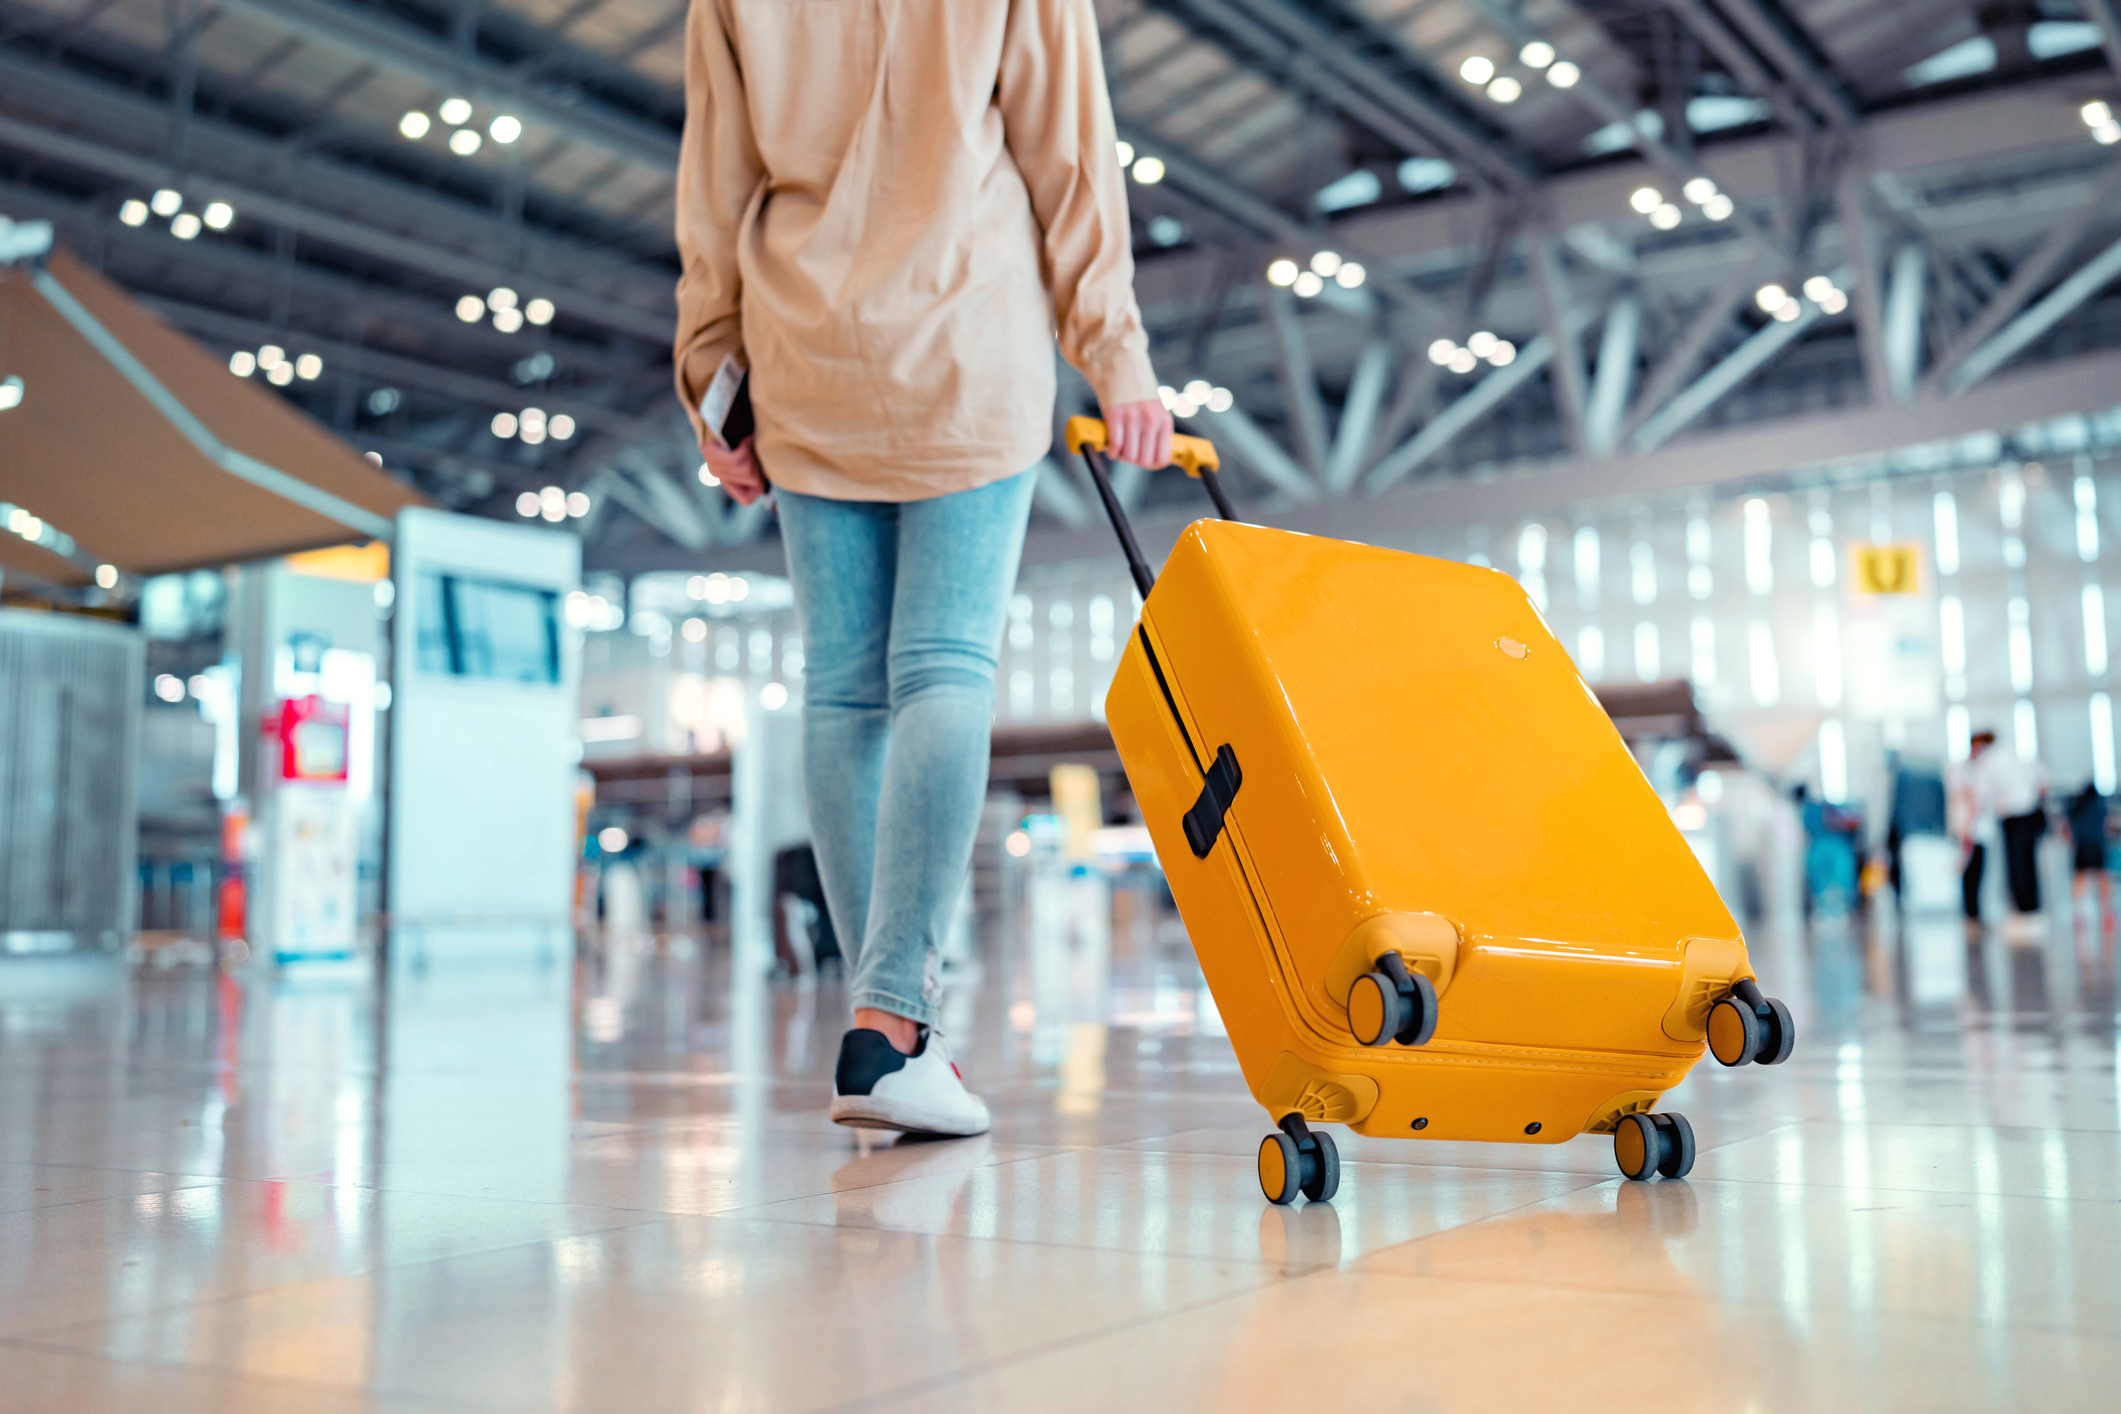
<point>610,1186</point>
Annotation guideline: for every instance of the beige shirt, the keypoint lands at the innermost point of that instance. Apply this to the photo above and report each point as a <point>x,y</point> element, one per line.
<point>885,207</point>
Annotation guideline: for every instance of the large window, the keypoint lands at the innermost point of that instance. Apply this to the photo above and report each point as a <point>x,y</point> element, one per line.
<point>487,628</point>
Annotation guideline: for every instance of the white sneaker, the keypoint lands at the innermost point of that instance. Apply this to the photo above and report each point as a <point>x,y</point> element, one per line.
<point>879,1087</point>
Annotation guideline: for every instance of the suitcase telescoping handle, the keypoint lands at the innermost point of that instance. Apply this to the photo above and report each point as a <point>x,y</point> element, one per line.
<point>1198,457</point>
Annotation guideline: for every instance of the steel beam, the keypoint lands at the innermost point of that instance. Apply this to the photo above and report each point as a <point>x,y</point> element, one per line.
<point>1238,435</point>
<point>1554,303</point>
<point>2106,15</point>
<point>2032,274</point>
<point>1614,377</point>
<point>1719,39</point>
<point>1358,415</point>
<point>1903,319</point>
<point>1860,242</point>
<point>1672,371</point>
<point>431,59</point>
<point>2094,276</point>
<point>1484,397</point>
<point>1768,36</point>
<point>1733,370</point>
<point>1307,410</point>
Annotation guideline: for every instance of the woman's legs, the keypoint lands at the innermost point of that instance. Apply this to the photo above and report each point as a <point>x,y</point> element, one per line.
<point>842,560</point>
<point>902,608</point>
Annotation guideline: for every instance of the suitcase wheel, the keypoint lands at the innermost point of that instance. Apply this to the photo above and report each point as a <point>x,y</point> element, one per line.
<point>1644,1144</point>
<point>1280,1168</point>
<point>1392,1004</point>
<point>1748,1033</point>
<point>1297,1159</point>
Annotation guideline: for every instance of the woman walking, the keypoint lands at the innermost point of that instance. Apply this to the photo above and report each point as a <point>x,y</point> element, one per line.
<point>886,209</point>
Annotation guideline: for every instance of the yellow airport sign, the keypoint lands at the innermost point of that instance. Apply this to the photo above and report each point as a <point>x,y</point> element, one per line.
<point>1888,569</point>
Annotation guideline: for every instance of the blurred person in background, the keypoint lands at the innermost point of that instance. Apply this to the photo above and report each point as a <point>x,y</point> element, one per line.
<point>1963,802</point>
<point>2088,825</point>
<point>887,215</point>
<point>2011,791</point>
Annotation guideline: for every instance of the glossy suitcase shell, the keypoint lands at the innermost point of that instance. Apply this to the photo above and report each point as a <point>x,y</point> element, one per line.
<point>1420,770</point>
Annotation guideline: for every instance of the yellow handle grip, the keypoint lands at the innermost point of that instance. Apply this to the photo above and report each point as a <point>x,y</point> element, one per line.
<point>1192,453</point>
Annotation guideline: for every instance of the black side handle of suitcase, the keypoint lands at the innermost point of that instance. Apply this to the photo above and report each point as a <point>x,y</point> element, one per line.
<point>1197,455</point>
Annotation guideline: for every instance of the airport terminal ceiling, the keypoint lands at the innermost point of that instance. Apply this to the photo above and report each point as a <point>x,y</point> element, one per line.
<point>1382,245</point>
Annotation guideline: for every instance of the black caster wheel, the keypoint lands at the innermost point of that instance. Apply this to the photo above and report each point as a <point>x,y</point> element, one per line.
<point>1781,1037</point>
<point>1636,1145</point>
<point>1734,1032</point>
<point>1280,1168</point>
<point>1373,1009</point>
<point>1392,1004</point>
<point>1325,1178</point>
<point>1677,1142</point>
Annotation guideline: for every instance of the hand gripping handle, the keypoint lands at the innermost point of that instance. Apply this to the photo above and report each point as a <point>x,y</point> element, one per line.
<point>1194,454</point>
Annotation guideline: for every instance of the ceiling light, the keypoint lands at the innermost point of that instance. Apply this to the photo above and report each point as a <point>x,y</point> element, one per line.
<point>539,311</point>
<point>166,202</point>
<point>169,687</point>
<point>1149,171</point>
<point>309,367</point>
<point>578,504</point>
<point>1665,217</point>
<point>414,125</point>
<point>1184,407</point>
<point>464,141</point>
<point>505,129</point>
<point>107,576</point>
<point>1698,189</point>
<point>707,476</point>
<point>1477,69</point>
<point>1564,74</point>
<point>384,401</point>
<point>1503,354</point>
<point>1168,396</point>
<point>561,427</point>
<point>1646,199</point>
<point>1281,272</point>
<point>1817,288</point>
<point>552,504</point>
<point>220,215</point>
<point>243,363</point>
<point>1482,344</point>
<point>133,213</point>
<point>2096,113</point>
<point>1788,310</point>
<point>1325,262</point>
<point>280,374</point>
<point>1197,391</point>
<point>527,504</point>
<point>455,111</point>
<point>471,309</point>
<point>1718,207</point>
<point>1220,400</point>
<point>373,459</point>
<point>533,425</point>
<point>1440,352</point>
<point>508,320</point>
<point>501,297</point>
<point>10,391</point>
<point>2107,133</point>
<point>1771,298</point>
<point>1462,361</point>
<point>271,356</point>
<point>1126,152</point>
<point>504,425</point>
<point>1834,302</point>
<point>695,630</point>
<point>1349,276</point>
<point>1505,89</point>
<point>1538,54</point>
<point>184,226</point>
<point>1308,284</point>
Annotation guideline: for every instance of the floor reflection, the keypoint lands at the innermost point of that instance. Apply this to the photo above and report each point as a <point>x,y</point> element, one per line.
<point>519,1178</point>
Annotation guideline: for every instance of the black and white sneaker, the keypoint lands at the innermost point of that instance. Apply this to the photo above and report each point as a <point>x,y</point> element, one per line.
<point>880,1087</point>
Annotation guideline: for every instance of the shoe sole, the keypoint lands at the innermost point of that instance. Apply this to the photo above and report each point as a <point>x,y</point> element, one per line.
<point>860,1112</point>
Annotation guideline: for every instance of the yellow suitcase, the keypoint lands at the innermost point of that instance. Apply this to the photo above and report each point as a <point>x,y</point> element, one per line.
<point>1431,891</point>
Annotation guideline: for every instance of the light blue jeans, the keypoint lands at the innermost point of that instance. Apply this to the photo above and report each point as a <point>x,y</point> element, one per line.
<point>901,605</point>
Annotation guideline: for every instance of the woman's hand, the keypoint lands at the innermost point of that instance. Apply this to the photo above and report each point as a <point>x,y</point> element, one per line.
<point>738,471</point>
<point>1139,433</point>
